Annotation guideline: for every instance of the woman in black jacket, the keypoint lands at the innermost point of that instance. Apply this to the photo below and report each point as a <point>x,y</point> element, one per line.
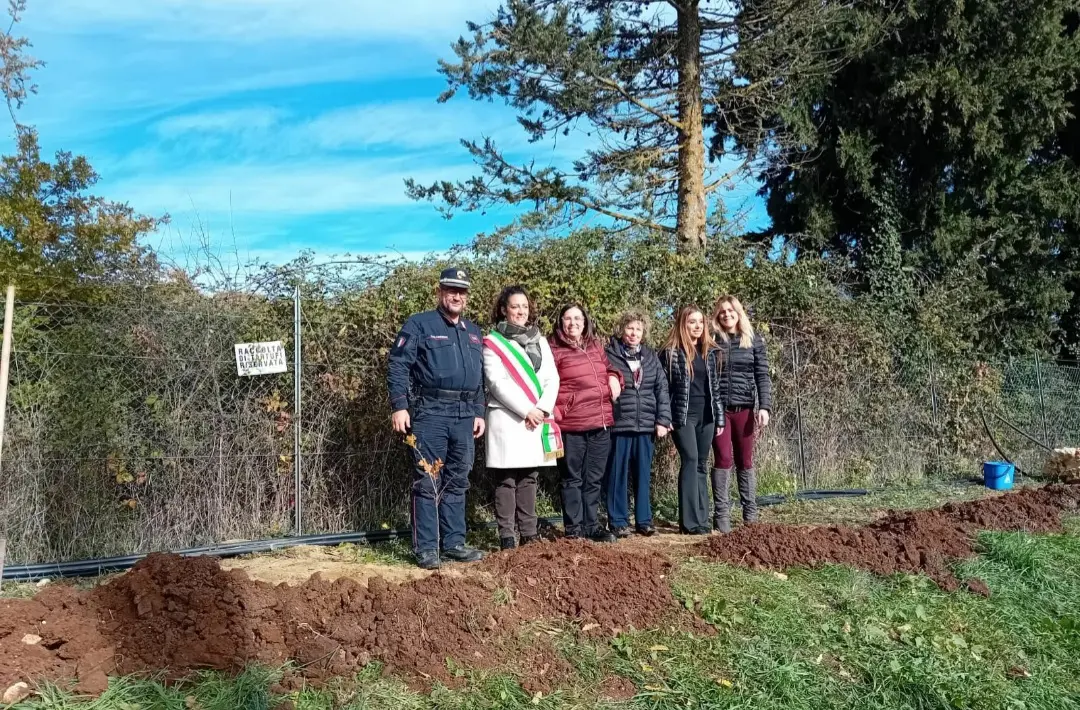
<point>692,361</point>
<point>744,383</point>
<point>643,410</point>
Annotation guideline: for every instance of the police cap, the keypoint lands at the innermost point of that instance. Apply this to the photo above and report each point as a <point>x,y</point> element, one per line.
<point>454,278</point>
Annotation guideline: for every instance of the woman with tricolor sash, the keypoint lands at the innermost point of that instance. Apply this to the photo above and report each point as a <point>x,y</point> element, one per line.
<point>522,385</point>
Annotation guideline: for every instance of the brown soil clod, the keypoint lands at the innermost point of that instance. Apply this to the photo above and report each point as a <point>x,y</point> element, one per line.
<point>921,541</point>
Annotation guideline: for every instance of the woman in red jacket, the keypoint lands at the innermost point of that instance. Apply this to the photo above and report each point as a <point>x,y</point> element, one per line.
<point>588,387</point>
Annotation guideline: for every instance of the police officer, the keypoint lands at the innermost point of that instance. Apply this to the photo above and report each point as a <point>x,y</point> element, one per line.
<point>437,396</point>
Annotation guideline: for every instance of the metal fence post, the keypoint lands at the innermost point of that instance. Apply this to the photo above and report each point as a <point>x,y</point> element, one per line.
<point>933,392</point>
<point>298,493</point>
<point>935,427</point>
<point>1042,400</point>
<point>798,406</point>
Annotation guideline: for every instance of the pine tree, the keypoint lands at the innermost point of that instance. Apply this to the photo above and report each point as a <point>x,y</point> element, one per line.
<point>652,81</point>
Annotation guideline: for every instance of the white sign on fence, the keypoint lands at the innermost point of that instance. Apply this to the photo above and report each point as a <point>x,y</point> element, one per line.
<point>260,358</point>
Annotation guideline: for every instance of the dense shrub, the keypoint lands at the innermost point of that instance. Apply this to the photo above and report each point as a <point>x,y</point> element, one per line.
<point>128,428</point>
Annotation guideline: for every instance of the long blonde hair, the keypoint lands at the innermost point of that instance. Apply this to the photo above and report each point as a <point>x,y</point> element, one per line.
<point>745,330</point>
<point>679,337</point>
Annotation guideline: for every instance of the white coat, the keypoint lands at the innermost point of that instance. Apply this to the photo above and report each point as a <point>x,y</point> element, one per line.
<point>508,444</point>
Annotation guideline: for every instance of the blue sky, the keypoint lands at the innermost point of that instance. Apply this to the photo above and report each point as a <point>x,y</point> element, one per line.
<point>269,126</point>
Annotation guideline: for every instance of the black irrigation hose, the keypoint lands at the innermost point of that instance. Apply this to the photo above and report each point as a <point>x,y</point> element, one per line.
<point>1022,433</point>
<point>94,567</point>
<point>998,448</point>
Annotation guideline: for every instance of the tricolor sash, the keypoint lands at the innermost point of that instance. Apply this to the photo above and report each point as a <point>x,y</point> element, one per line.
<point>524,375</point>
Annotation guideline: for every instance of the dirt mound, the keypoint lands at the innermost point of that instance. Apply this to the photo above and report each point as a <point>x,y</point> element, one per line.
<point>55,636</point>
<point>606,588</point>
<point>921,541</point>
<point>179,614</point>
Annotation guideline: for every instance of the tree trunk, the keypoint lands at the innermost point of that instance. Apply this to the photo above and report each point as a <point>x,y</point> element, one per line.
<point>690,219</point>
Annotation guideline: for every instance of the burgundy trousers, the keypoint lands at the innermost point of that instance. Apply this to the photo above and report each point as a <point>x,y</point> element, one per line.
<point>734,447</point>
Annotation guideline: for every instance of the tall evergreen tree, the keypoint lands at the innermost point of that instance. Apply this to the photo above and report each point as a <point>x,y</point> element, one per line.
<point>940,146</point>
<point>1066,147</point>
<point>648,79</point>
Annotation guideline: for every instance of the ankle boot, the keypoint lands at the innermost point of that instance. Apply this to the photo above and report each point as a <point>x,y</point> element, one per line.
<point>721,484</point>
<point>748,494</point>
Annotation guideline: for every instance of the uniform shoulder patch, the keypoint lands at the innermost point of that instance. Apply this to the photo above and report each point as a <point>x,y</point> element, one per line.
<point>474,338</point>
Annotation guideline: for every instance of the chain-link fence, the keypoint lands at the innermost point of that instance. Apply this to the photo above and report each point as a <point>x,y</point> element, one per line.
<point>129,429</point>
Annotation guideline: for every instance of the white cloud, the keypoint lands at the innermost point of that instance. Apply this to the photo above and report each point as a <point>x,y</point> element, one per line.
<point>408,124</point>
<point>420,126</point>
<point>226,121</point>
<point>248,21</point>
<point>282,189</point>
<point>112,63</point>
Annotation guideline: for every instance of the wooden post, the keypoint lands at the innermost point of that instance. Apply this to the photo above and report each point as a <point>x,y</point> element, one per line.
<point>5,361</point>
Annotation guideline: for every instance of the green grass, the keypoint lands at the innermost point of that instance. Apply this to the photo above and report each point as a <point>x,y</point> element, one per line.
<point>863,509</point>
<point>18,590</point>
<point>827,638</point>
<point>25,590</point>
<point>394,552</point>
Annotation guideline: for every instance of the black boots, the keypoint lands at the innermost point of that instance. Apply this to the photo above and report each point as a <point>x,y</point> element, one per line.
<point>462,554</point>
<point>601,535</point>
<point>508,543</point>
<point>429,559</point>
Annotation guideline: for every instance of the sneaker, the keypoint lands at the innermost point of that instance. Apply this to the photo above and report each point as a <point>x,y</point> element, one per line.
<point>622,531</point>
<point>462,554</point>
<point>528,539</point>
<point>507,543</point>
<point>601,535</point>
<point>647,530</point>
<point>428,559</point>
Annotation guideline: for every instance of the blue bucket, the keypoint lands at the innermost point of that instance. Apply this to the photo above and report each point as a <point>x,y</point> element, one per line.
<point>998,475</point>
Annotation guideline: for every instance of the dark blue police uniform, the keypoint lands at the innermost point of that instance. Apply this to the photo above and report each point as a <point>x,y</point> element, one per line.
<point>436,372</point>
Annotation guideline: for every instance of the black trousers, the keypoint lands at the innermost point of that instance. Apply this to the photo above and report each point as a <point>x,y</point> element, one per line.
<point>583,467</point>
<point>694,441</point>
<point>515,500</point>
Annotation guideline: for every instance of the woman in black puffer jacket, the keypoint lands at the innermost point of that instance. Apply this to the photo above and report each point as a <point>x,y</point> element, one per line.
<point>693,364</point>
<point>642,411</point>
<point>744,383</point>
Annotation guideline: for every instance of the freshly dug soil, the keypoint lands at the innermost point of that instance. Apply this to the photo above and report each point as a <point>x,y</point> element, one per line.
<point>922,541</point>
<point>181,614</point>
<point>604,587</point>
<point>53,636</point>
